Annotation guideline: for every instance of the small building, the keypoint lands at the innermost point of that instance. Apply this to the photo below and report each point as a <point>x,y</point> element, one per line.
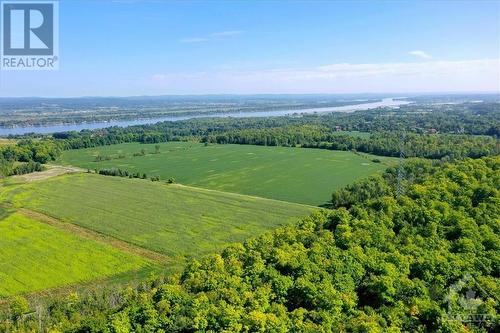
<point>432,131</point>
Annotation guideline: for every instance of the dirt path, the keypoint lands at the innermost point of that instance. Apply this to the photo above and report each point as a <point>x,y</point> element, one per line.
<point>52,171</point>
<point>89,234</point>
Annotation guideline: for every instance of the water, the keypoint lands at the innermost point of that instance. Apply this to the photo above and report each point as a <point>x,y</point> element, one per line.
<point>386,102</point>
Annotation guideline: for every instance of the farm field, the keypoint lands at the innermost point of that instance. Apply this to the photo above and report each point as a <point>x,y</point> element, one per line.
<point>7,142</point>
<point>36,256</point>
<point>298,175</point>
<point>175,220</point>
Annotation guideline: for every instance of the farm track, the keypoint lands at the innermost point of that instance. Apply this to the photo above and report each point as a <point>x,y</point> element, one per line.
<point>51,171</point>
<point>93,235</point>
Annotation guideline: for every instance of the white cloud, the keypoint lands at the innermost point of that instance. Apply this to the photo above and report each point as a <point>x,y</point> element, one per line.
<point>158,77</point>
<point>193,40</point>
<point>229,33</point>
<point>132,2</point>
<point>427,76</point>
<point>420,54</point>
<point>212,36</point>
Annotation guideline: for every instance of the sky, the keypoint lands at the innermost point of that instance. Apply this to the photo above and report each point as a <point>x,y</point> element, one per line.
<point>134,47</point>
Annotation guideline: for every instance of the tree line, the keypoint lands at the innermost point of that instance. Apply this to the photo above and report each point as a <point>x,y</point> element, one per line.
<point>117,172</point>
<point>9,168</point>
<point>380,143</point>
<point>27,156</point>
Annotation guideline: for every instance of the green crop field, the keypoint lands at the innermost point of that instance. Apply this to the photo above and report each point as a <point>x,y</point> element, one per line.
<point>171,219</point>
<point>36,256</point>
<point>299,175</point>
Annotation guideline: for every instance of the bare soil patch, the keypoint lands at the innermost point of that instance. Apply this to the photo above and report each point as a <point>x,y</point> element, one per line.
<point>52,171</point>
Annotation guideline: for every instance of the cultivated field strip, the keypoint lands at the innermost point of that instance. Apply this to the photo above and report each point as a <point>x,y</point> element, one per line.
<point>36,256</point>
<point>96,236</point>
<point>176,221</point>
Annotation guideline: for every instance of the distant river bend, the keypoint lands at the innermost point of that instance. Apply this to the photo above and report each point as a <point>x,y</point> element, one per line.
<point>386,102</point>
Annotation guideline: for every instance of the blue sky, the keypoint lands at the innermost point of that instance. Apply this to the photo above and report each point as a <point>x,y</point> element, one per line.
<point>145,47</point>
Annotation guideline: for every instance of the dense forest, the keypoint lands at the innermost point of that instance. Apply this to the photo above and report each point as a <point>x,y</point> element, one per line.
<point>422,260</point>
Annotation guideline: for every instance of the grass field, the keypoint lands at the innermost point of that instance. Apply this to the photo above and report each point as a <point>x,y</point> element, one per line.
<point>299,175</point>
<point>171,219</point>
<point>36,256</point>
<point>7,142</point>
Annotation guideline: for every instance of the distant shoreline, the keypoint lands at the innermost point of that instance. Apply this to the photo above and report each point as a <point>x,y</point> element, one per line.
<point>78,126</point>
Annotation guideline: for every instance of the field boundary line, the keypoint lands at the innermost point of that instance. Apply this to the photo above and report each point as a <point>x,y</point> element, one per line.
<point>198,188</point>
<point>243,195</point>
<point>96,236</point>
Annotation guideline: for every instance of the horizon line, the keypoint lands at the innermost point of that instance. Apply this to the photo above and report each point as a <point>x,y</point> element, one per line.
<point>482,92</point>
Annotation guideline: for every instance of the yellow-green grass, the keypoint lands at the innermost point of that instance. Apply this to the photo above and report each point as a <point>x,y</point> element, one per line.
<point>299,175</point>
<point>171,219</point>
<point>7,142</point>
<point>35,256</point>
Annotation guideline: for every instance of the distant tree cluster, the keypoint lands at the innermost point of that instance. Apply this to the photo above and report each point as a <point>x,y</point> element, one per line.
<point>9,168</point>
<point>100,158</point>
<point>41,151</point>
<point>141,153</point>
<point>117,172</point>
<point>27,156</point>
<point>25,168</point>
<point>426,260</point>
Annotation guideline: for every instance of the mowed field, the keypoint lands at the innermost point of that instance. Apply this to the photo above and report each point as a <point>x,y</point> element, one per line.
<point>175,220</point>
<point>36,256</point>
<point>298,175</point>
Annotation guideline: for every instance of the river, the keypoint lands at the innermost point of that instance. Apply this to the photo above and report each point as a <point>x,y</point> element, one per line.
<point>386,102</point>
